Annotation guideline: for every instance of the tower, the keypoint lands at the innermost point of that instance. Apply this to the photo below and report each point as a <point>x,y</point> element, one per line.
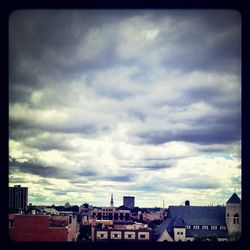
<point>111,201</point>
<point>179,229</point>
<point>233,214</point>
<point>129,201</point>
<point>18,198</point>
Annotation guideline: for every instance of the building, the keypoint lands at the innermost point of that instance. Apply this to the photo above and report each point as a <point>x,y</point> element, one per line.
<point>108,213</point>
<point>18,198</point>
<point>129,201</point>
<point>233,216</point>
<point>40,228</point>
<point>187,223</point>
<point>151,216</point>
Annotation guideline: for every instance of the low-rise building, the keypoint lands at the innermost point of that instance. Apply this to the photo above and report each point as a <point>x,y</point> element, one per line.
<point>150,216</point>
<point>108,213</point>
<point>42,228</point>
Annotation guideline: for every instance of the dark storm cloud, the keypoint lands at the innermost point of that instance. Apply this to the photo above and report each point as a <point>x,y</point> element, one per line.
<point>39,170</point>
<point>154,167</point>
<point>122,178</point>
<point>204,131</point>
<point>43,44</point>
<point>34,125</point>
<point>157,166</point>
<point>88,173</point>
<point>207,41</point>
<point>194,136</point>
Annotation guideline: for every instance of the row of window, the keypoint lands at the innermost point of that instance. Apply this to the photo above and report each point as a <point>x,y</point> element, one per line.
<point>206,227</point>
<point>110,216</point>
<point>104,235</point>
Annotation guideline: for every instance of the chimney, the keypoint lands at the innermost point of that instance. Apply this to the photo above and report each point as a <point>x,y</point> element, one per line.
<point>187,203</point>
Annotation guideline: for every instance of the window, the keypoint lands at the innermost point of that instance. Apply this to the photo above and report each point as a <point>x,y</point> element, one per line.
<point>178,232</point>
<point>121,216</point>
<point>222,228</point>
<point>11,223</point>
<point>188,227</point>
<point>214,227</point>
<point>102,235</point>
<point>116,235</point>
<point>236,219</point>
<point>204,227</point>
<point>143,235</point>
<point>196,227</point>
<point>181,233</point>
<point>129,235</point>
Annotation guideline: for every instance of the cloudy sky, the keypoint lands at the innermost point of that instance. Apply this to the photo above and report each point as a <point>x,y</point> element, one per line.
<point>129,102</point>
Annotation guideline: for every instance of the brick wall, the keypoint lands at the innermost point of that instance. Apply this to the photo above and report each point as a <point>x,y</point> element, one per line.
<point>36,228</point>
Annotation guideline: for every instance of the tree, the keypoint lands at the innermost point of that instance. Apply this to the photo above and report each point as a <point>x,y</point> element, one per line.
<point>234,236</point>
<point>207,237</point>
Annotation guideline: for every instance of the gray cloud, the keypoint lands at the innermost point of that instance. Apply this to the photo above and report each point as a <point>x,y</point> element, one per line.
<point>104,92</point>
<point>154,167</point>
<point>39,170</point>
<point>122,178</point>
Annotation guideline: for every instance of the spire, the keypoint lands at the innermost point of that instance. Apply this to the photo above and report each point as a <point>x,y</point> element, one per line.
<point>234,199</point>
<point>111,201</point>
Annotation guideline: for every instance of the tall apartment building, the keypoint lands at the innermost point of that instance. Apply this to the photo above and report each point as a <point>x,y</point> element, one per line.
<point>129,201</point>
<point>18,198</point>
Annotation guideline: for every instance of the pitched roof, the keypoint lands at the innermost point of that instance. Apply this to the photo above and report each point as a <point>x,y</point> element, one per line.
<point>234,199</point>
<point>199,215</point>
<point>179,222</point>
<point>160,229</point>
<point>203,232</point>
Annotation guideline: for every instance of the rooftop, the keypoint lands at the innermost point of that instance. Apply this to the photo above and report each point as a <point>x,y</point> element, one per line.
<point>234,199</point>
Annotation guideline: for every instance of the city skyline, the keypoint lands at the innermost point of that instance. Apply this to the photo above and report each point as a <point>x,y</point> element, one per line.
<point>143,103</point>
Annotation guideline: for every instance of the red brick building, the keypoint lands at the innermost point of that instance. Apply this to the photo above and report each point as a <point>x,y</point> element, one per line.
<point>37,228</point>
